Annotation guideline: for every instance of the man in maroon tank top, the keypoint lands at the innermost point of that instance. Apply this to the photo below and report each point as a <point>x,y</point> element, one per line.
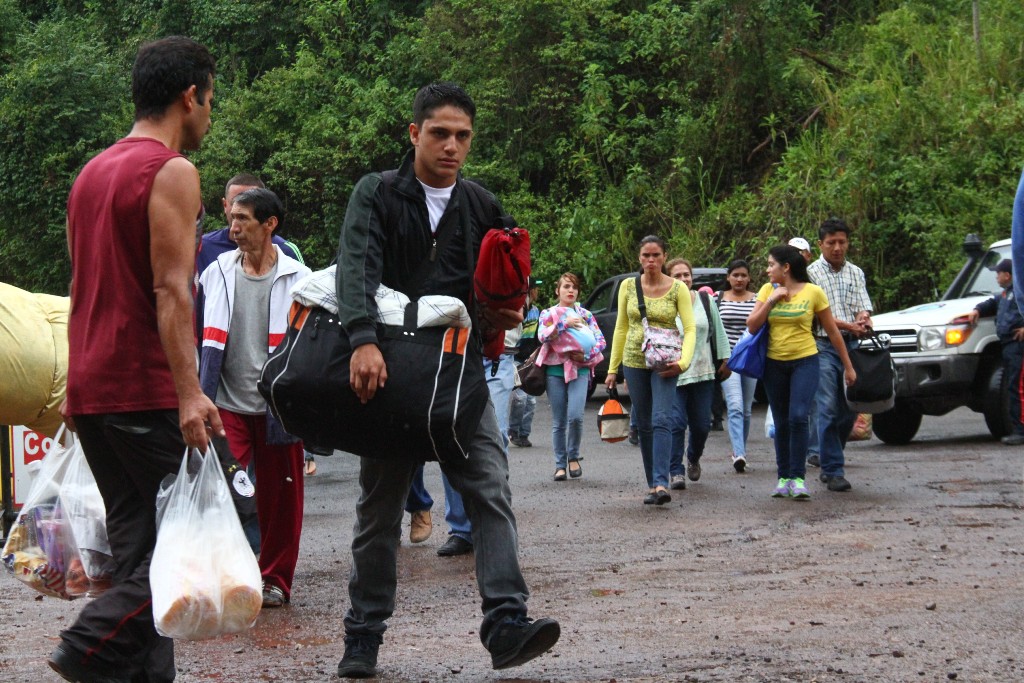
<point>133,391</point>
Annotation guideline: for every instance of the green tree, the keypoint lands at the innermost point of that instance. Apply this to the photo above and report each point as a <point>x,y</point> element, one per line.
<point>60,102</point>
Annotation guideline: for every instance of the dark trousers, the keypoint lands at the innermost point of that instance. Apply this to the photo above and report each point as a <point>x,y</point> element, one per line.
<point>718,407</point>
<point>1013,373</point>
<point>129,454</point>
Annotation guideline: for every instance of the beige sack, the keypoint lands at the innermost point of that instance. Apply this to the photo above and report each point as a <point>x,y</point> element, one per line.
<point>33,358</point>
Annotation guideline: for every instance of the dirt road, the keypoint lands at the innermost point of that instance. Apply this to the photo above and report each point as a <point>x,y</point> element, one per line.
<point>915,575</point>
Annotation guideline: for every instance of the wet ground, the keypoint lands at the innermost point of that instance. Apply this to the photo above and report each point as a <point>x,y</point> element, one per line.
<point>914,575</point>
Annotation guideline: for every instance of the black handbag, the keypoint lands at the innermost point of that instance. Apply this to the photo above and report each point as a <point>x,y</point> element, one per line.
<point>429,408</point>
<point>531,377</point>
<point>875,388</point>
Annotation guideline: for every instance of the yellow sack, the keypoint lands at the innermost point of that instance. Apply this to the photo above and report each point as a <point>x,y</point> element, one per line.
<point>33,358</point>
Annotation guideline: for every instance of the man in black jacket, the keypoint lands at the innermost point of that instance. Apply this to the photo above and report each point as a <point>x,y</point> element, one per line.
<point>390,228</point>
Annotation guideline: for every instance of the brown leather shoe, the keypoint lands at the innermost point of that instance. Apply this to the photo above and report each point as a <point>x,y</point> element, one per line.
<point>420,526</point>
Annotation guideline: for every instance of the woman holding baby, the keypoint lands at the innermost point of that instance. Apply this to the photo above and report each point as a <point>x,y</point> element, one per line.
<point>571,344</point>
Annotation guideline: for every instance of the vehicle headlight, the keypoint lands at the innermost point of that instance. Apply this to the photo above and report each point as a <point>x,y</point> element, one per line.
<point>931,338</point>
<point>935,338</point>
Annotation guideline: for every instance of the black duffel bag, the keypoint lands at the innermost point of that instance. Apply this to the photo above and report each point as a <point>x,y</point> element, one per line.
<point>429,408</point>
<point>875,388</point>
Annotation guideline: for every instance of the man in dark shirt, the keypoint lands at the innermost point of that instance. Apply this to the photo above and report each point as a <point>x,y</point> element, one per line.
<point>1010,329</point>
<point>387,233</point>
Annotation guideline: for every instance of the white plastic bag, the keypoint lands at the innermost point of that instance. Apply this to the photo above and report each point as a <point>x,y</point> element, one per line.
<point>58,544</point>
<point>90,568</point>
<point>204,577</point>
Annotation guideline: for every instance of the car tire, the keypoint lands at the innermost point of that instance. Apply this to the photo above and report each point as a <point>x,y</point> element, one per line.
<point>997,404</point>
<point>897,426</point>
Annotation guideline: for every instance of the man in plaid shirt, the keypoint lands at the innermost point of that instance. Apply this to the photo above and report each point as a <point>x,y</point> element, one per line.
<point>851,307</point>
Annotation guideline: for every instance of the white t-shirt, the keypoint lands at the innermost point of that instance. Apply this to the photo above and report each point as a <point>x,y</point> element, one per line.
<point>437,201</point>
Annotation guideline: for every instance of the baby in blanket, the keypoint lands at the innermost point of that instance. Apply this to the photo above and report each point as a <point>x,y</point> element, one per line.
<point>570,337</point>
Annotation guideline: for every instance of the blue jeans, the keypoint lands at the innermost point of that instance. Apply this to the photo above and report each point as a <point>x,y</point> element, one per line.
<point>520,419</point>
<point>692,409</point>
<point>813,442</point>
<point>791,385</point>
<point>835,419</point>
<point>653,397</point>
<point>501,380</point>
<point>739,396</point>
<point>567,403</point>
<point>482,481</point>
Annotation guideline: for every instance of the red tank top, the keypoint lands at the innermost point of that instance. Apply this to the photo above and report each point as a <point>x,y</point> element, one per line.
<point>116,361</point>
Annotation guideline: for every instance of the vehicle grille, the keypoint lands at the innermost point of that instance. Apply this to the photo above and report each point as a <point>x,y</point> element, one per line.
<point>901,340</point>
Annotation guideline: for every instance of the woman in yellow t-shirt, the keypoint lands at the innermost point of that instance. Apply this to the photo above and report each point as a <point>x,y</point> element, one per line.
<point>790,303</point>
<point>652,391</point>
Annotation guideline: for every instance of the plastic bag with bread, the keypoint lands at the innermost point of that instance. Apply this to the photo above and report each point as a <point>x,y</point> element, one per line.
<point>203,576</point>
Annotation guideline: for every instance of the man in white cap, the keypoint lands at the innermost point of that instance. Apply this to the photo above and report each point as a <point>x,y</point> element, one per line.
<point>803,246</point>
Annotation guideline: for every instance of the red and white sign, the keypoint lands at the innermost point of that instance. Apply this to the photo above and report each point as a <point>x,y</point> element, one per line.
<point>27,446</point>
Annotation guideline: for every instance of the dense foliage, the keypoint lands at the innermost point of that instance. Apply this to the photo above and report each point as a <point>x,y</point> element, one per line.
<point>724,125</point>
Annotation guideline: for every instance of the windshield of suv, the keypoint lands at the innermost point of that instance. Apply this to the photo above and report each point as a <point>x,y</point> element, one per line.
<point>984,281</point>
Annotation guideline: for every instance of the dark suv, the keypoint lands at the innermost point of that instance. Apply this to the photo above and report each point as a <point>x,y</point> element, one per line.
<point>603,302</point>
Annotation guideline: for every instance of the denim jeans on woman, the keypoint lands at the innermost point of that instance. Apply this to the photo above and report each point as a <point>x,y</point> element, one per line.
<point>739,396</point>
<point>692,409</point>
<point>791,386</point>
<point>567,404</point>
<point>653,398</point>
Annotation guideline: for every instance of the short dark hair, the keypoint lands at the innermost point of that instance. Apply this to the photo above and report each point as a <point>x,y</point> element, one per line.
<point>263,203</point>
<point>737,263</point>
<point>436,95</point>
<point>831,226</point>
<point>166,68</point>
<point>784,254</point>
<point>243,180</point>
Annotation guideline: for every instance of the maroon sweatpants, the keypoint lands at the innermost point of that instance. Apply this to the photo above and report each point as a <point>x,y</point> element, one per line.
<point>279,494</point>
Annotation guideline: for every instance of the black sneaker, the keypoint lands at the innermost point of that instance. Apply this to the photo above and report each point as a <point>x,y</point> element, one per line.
<point>813,460</point>
<point>455,545</point>
<point>634,437</point>
<point>522,442</point>
<point>837,484</point>
<point>1013,439</point>
<point>360,660</point>
<point>517,641</point>
<point>69,665</point>
<point>693,470</point>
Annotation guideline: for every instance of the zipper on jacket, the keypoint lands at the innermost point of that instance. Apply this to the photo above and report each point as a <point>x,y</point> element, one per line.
<point>433,250</point>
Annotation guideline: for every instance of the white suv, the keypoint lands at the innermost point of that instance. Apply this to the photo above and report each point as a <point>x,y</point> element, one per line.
<point>941,361</point>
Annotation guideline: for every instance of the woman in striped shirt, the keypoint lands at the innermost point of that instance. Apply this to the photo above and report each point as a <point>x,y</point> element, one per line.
<point>735,304</point>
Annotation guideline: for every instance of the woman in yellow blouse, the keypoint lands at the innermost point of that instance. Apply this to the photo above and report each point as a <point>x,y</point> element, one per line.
<point>790,304</point>
<point>652,391</point>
